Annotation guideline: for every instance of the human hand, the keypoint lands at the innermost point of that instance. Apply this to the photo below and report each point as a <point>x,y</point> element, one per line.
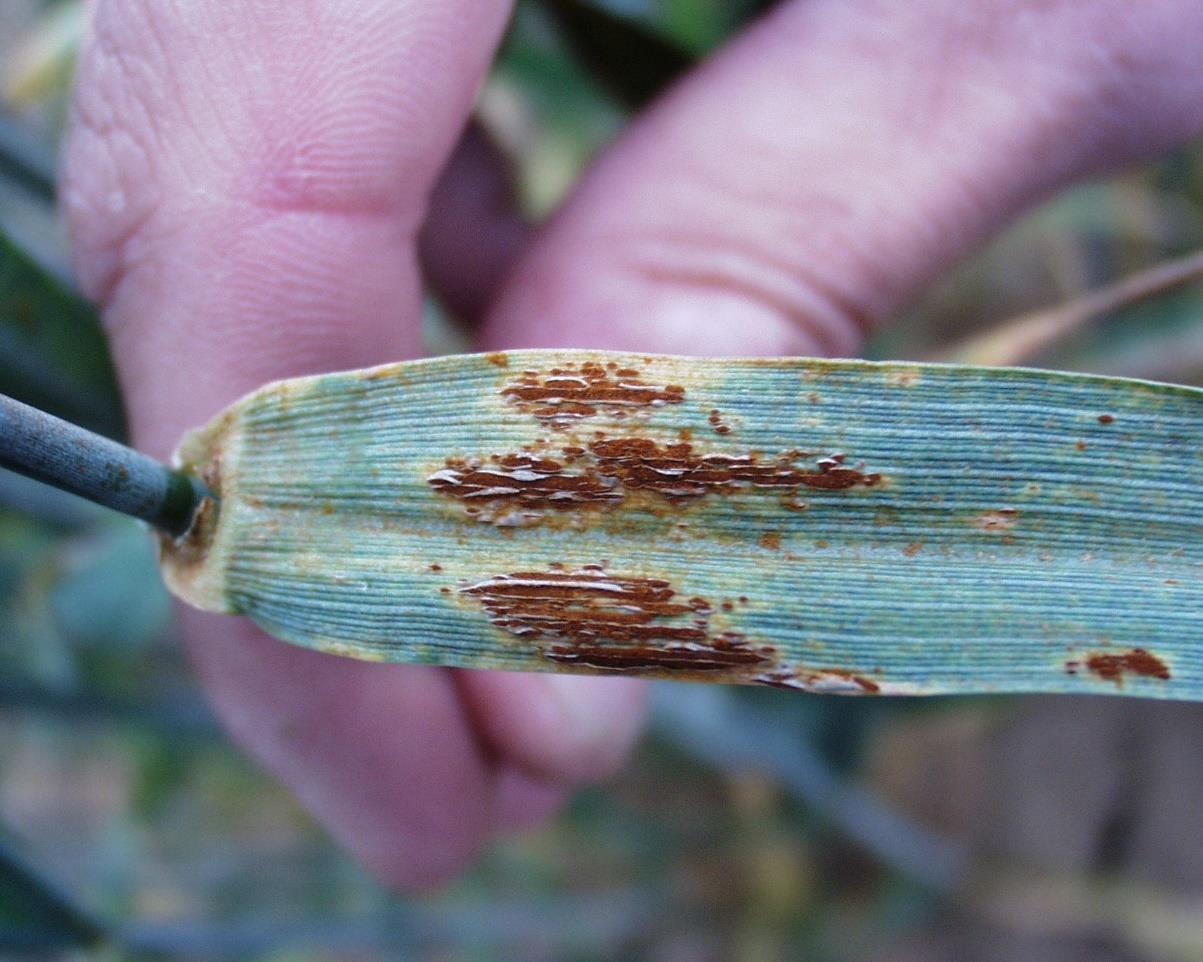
<point>248,189</point>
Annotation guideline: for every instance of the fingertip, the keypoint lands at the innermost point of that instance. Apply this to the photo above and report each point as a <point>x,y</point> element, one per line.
<point>524,801</point>
<point>596,300</point>
<point>564,728</point>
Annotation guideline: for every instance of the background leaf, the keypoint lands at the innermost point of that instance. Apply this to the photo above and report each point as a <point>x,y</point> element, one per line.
<point>632,62</point>
<point>35,914</point>
<point>52,352</point>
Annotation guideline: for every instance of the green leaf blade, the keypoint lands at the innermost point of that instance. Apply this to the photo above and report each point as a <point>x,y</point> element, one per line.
<point>837,526</point>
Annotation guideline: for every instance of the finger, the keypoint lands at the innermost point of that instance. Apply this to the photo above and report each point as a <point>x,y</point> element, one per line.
<point>380,753</point>
<point>523,801</point>
<point>560,728</point>
<point>835,158</point>
<point>474,231</point>
<point>245,184</point>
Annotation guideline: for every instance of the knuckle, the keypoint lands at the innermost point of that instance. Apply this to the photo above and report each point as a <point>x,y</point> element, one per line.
<point>764,274</point>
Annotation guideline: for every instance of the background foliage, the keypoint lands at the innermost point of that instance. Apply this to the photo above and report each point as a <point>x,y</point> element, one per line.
<point>757,825</point>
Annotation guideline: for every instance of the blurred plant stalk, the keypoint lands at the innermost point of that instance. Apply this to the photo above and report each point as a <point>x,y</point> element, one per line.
<point>1022,339</point>
<point>41,63</point>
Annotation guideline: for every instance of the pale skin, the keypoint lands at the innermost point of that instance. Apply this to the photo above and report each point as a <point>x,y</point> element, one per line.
<point>257,189</point>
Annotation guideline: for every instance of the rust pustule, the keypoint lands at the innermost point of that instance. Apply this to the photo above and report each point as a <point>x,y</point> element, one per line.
<point>999,521</point>
<point>524,481</point>
<point>1106,419</point>
<point>563,396</point>
<point>677,471</point>
<point>613,622</point>
<point>516,488</point>
<point>831,680</point>
<point>1110,667</point>
<point>716,421</point>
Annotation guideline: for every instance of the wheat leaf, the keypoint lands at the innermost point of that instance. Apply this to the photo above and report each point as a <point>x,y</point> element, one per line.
<point>834,526</point>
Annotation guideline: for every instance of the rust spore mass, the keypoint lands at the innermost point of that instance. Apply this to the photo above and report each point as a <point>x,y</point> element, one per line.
<point>1109,667</point>
<point>613,623</point>
<point>1000,520</point>
<point>524,481</point>
<point>600,474</point>
<point>1106,419</point>
<point>716,421</point>
<point>677,472</point>
<point>722,656</point>
<point>563,396</point>
<point>820,679</point>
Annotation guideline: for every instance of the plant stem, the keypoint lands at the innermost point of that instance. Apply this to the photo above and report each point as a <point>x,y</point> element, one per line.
<point>69,457</point>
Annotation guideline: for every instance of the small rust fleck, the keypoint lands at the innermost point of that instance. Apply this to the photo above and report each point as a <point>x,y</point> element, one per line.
<point>906,377</point>
<point>613,622</point>
<point>1080,445</point>
<point>563,396</point>
<point>716,422</point>
<point>1138,661</point>
<point>833,680</point>
<point>913,549</point>
<point>498,359</point>
<point>436,567</point>
<point>999,521</point>
<point>1106,418</point>
<point>770,540</point>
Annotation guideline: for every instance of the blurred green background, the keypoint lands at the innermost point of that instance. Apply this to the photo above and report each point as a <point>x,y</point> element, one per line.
<point>752,825</point>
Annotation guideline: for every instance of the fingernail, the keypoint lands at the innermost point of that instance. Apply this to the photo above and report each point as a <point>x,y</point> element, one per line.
<point>602,716</point>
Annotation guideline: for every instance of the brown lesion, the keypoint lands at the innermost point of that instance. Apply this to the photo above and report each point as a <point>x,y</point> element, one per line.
<point>566,395</point>
<point>716,421</point>
<point>998,521</point>
<point>619,623</point>
<point>524,481</point>
<point>1114,667</point>
<point>828,680</point>
<point>603,472</point>
<point>677,471</point>
<point>631,624</point>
